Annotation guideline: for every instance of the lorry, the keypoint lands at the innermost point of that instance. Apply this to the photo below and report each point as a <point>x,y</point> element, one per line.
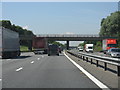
<point>9,43</point>
<point>108,43</point>
<point>53,49</point>
<point>40,45</point>
<point>89,48</point>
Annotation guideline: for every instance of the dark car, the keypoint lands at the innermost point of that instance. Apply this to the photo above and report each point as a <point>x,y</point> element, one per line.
<point>53,49</point>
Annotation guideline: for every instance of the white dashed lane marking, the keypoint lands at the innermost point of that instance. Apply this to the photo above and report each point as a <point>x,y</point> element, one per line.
<point>38,58</point>
<point>17,70</point>
<point>32,62</point>
<point>0,79</point>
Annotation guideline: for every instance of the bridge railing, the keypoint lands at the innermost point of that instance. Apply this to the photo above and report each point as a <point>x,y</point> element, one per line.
<point>106,60</point>
<point>67,35</point>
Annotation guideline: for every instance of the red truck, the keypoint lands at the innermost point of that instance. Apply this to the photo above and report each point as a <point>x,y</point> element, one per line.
<point>40,45</point>
<point>109,43</point>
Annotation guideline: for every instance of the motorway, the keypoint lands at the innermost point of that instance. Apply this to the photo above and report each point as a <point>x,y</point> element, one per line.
<point>94,53</point>
<point>42,71</point>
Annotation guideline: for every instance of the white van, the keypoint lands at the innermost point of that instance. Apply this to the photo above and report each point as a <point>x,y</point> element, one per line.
<point>89,48</point>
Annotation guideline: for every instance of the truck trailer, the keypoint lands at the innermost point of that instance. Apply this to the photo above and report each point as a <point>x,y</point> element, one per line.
<point>53,49</point>
<point>108,43</point>
<point>40,45</point>
<point>9,43</point>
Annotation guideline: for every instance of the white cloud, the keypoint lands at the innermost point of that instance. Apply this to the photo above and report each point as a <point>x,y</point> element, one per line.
<point>25,27</point>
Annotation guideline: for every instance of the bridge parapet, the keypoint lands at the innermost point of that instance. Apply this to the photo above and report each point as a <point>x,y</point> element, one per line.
<point>67,35</point>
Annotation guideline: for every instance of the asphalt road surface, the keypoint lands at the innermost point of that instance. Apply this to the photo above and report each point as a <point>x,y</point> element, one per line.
<point>42,71</point>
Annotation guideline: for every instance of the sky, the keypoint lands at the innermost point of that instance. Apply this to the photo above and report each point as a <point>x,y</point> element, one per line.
<point>58,17</point>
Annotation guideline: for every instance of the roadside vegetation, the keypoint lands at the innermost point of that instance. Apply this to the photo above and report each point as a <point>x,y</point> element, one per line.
<point>24,32</point>
<point>110,26</point>
<point>58,43</point>
<point>23,48</point>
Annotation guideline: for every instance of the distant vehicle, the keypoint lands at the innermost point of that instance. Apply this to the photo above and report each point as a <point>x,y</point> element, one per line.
<point>60,49</point>
<point>108,43</point>
<point>9,43</point>
<point>40,45</point>
<point>38,51</point>
<point>53,49</point>
<point>89,48</point>
<point>80,48</point>
<point>114,52</point>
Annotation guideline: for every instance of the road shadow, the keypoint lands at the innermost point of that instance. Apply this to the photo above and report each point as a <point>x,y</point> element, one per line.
<point>102,66</point>
<point>21,57</point>
<point>18,57</point>
<point>108,69</point>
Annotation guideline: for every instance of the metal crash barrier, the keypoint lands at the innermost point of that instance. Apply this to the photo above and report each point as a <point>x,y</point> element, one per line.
<point>106,60</point>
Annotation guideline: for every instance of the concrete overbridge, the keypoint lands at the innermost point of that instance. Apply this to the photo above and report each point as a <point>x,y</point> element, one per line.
<point>68,37</point>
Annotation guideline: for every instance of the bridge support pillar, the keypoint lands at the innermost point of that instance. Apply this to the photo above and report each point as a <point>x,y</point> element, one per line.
<point>67,45</point>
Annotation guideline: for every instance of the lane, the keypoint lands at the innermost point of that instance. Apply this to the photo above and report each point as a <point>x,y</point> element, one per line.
<point>94,53</point>
<point>47,72</point>
<point>10,64</point>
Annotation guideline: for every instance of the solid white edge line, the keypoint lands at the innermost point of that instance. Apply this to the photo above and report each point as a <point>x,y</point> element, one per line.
<point>8,59</point>
<point>19,69</point>
<point>96,81</point>
<point>32,62</point>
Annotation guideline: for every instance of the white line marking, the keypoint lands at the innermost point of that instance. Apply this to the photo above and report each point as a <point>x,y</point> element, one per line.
<point>32,62</point>
<point>96,81</point>
<point>0,79</point>
<point>38,58</point>
<point>8,59</point>
<point>17,70</point>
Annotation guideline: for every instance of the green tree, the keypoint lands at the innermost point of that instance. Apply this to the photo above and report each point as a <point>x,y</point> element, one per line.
<point>24,32</point>
<point>6,24</point>
<point>57,43</point>
<point>110,26</point>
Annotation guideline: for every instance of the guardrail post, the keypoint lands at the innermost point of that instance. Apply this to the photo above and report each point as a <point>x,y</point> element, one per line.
<point>83,58</point>
<point>97,63</point>
<point>91,61</point>
<point>80,56</point>
<point>118,72</point>
<point>105,67</point>
<point>86,59</point>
